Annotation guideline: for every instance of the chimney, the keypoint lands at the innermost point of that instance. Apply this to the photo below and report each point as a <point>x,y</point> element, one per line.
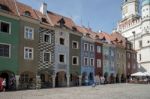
<point>100,31</point>
<point>43,8</point>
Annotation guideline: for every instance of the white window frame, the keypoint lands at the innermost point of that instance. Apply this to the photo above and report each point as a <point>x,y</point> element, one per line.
<point>87,61</point>
<point>91,45</point>
<point>87,46</point>
<point>25,36</point>
<point>28,53</point>
<point>77,44</point>
<point>77,60</point>
<point>64,58</point>
<point>98,49</point>
<point>9,26</point>
<point>91,62</point>
<point>9,49</point>
<point>50,38</point>
<point>49,56</point>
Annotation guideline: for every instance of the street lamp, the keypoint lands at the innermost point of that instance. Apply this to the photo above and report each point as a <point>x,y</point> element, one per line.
<point>134,38</point>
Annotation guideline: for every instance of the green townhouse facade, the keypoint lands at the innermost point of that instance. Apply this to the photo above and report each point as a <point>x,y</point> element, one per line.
<point>9,42</point>
<point>75,57</point>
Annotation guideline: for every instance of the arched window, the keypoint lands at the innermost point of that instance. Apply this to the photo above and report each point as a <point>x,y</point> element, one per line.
<point>27,13</point>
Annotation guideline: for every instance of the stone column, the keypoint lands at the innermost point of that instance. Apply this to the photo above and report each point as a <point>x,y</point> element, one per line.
<point>68,80</point>
<point>38,82</point>
<point>53,79</point>
<point>80,80</point>
<point>17,81</point>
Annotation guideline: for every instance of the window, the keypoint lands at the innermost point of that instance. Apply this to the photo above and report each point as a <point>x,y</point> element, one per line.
<point>47,57</point>
<point>99,63</point>
<point>129,66</point>
<point>44,20</point>
<point>62,58</point>
<point>92,48</point>
<point>85,47</point>
<point>98,49</point>
<point>47,38</point>
<point>62,41</point>
<point>75,60</point>
<point>27,13</point>
<point>24,78</point>
<point>75,45</point>
<point>29,33</point>
<point>112,53</point>
<point>85,61</point>
<point>140,57</point>
<point>5,27</point>
<point>28,53</point>
<point>128,54</point>
<point>140,43</point>
<point>91,62</point>
<point>4,7</point>
<point>4,50</point>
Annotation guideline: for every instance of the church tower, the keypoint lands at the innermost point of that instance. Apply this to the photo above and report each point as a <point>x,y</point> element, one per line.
<point>130,8</point>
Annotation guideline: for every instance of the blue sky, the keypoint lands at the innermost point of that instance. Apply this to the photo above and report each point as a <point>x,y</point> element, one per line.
<point>97,14</point>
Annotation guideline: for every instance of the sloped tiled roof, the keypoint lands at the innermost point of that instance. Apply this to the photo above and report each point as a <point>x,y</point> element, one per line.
<point>105,35</point>
<point>118,39</point>
<point>9,5</point>
<point>22,8</point>
<point>40,16</point>
<point>55,18</point>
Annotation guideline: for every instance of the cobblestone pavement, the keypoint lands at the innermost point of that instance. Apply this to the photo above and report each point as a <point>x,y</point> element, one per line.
<point>112,91</point>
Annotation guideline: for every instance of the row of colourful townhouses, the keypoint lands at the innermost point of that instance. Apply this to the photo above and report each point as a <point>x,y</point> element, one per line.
<point>44,49</point>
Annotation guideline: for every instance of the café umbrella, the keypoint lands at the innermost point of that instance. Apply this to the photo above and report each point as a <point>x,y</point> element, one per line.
<point>138,74</point>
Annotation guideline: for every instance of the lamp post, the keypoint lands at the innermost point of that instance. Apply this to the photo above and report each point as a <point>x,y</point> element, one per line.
<point>134,38</point>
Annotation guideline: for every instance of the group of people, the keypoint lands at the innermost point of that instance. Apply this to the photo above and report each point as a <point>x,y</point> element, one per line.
<point>2,84</point>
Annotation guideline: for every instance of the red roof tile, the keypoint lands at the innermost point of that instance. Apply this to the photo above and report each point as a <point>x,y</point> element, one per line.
<point>25,8</point>
<point>55,18</point>
<point>43,18</point>
<point>9,5</point>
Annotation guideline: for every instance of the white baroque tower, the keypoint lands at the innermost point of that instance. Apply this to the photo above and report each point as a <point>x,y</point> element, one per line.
<point>130,8</point>
<point>136,28</point>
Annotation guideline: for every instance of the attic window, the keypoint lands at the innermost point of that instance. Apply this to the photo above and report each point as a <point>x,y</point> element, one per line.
<point>97,37</point>
<point>3,7</point>
<point>120,41</point>
<point>116,40</point>
<point>88,34</point>
<point>44,20</point>
<point>74,28</point>
<point>27,13</point>
<point>61,22</point>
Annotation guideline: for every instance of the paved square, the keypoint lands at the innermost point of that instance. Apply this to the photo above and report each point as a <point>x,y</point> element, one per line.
<point>113,91</point>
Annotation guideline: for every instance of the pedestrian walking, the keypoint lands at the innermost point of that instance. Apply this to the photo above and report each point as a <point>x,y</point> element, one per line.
<point>4,84</point>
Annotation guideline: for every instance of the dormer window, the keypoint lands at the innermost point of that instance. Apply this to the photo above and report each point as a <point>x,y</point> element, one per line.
<point>97,37</point>
<point>3,7</point>
<point>27,13</point>
<point>88,34</point>
<point>61,22</point>
<point>44,20</point>
<point>74,28</point>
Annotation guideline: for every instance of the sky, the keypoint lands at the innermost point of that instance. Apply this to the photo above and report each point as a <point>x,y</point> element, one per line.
<point>99,15</point>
